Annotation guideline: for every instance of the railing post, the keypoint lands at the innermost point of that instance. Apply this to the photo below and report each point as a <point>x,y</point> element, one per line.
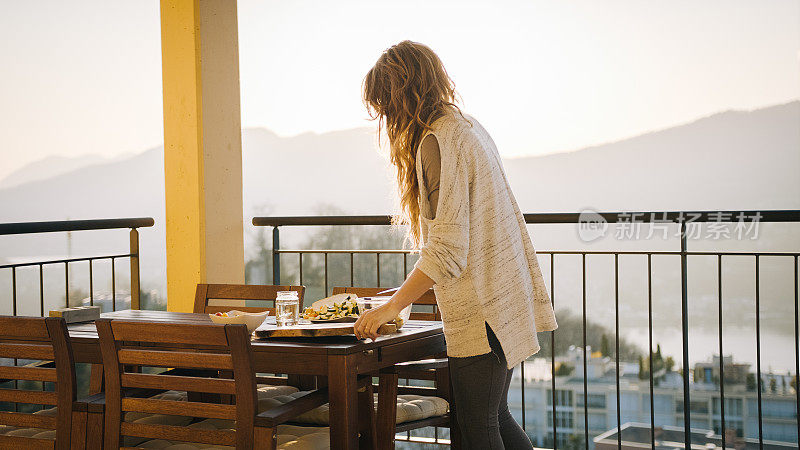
<point>276,257</point>
<point>685,341</point>
<point>135,281</point>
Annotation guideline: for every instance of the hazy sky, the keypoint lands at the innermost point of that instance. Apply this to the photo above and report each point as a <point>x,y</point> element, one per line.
<point>84,76</point>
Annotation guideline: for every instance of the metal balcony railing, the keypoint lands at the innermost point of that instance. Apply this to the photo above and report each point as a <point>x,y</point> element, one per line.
<point>79,225</point>
<point>680,218</point>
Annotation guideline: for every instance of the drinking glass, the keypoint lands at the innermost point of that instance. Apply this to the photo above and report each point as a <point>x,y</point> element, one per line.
<point>287,308</point>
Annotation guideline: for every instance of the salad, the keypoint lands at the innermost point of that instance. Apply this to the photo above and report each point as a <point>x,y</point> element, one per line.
<point>333,310</point>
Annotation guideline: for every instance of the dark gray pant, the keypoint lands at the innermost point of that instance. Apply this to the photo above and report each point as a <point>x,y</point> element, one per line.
<point>480,390</point>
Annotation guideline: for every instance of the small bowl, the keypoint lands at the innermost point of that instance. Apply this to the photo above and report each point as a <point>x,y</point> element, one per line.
<point>365,303</point>
<point>252,320</point>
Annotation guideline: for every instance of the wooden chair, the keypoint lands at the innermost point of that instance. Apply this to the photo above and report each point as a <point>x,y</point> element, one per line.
<point>224,347</point>
<point>46,340</point>
<point>436,370</point>
<point>213,298</point>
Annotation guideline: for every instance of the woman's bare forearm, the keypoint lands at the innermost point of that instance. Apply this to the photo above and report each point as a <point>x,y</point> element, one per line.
<point>370,320</point>
<point>412,289</point>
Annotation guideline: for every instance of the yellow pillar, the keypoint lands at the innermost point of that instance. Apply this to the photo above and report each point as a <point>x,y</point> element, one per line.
<point>202,146</point>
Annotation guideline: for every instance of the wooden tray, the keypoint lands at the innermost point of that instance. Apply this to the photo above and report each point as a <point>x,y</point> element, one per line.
<point>270,330</point>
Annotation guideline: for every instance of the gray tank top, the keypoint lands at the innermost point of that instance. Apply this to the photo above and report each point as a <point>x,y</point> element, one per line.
<point>431,169</point>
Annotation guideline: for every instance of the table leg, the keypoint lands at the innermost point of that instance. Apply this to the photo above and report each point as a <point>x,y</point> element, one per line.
<point>367,434</point>
<point>387,410</point>
<point>343,397</point>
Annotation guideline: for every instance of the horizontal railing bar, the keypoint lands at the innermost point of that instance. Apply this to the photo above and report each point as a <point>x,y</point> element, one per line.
<point>321,220</point>
<point>783,215</point>
<point>62,261</point>
<point>74,225</point>
<point>371,252</point>
<point>558,252</point>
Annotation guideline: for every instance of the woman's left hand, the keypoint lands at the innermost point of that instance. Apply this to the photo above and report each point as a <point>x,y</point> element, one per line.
<point>371,320</point>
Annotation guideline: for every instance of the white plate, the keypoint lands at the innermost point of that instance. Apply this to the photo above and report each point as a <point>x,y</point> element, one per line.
<point>252,320</point>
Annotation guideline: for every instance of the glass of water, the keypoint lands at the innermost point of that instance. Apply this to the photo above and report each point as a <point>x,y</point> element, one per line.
<point>287,308</point>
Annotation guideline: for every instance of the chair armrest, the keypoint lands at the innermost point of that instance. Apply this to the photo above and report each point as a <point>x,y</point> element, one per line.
<point>425,364</point>
<point>280,414</point>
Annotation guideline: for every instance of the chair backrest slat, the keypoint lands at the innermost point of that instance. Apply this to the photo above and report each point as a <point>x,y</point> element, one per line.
<point>210,348</point>
<point>23,328</point>
<point>169,333</point>
<point>28,373</point>
<point>160,358</point>
<point>44,340</point>
<point>173,408</point>
<point>28,443</point>
<point>27,351</point>
<point>28,396</point>
<point>179,383</point>
<point>213,298</point>
<point>184,434</point>
<point>16,419</point>
<point>427,299</point>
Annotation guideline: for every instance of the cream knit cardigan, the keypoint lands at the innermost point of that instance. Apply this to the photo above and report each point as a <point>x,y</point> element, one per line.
<point>477,249</point>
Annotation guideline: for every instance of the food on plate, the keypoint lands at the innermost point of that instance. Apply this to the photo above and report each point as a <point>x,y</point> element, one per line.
<point>221,314</point>
<point>347,307</point>
<point>332,308</point>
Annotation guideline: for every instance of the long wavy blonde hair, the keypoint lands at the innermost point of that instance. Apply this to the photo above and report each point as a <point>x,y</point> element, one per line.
<point>406,91</point>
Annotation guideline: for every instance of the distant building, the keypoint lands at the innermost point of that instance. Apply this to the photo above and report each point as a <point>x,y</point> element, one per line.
<point>637,436</point>
<point>708,372</point>
<point>741,406</point>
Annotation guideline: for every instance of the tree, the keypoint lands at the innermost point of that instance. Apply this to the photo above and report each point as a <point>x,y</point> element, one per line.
<point>570,332</point>
<point>750,382</point>
<point>669,363</point>
<point>564,369</point>
<point>575,442</point>
<point>604,346</point>
<point>773,385</point>
<point>643,372</point>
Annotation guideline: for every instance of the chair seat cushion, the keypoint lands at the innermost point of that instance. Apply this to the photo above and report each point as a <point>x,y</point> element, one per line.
<point>418,407</point>
<point>409,408</point>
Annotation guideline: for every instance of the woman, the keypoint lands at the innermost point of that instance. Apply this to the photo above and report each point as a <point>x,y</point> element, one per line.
<point>474,248</point>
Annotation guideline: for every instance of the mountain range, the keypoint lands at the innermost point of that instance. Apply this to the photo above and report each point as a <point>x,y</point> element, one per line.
<point>730,160</point>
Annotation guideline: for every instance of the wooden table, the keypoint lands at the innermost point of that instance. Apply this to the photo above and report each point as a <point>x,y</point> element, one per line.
<point>340,359</point>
